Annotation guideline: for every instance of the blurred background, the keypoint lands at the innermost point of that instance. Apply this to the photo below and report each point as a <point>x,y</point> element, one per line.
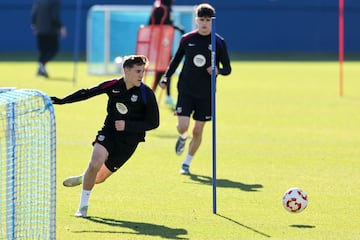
<point>250,27</point>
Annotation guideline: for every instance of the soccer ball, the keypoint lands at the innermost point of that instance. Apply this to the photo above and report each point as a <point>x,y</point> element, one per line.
<point>295,200</point>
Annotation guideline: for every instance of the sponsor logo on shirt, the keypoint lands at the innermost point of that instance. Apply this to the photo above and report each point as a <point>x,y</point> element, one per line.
<point>199,60</point>
<point>121,108</point>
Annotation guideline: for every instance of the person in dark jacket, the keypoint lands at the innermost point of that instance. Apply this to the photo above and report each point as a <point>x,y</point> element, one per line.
<point>131,111</point>
<point>194,85</point>
<point>47,26</point>
<point>162,14</point>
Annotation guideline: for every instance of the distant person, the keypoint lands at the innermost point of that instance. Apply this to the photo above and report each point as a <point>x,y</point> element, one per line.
<point>131,111</point>
<point>194,85</point>
<point>162,14</point>
<point>47,27</point>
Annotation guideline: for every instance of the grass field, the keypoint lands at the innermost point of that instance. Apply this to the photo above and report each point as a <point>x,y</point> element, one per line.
<point>279,125</point>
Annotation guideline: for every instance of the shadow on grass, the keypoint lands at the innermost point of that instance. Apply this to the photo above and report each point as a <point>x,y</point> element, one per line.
<point>225,183</point>
<point>301,226</point>
<point>139,228</point>
<point>57,79</point>
<point>60,79</point>
<point>244,226</point>
<point>166,136</point>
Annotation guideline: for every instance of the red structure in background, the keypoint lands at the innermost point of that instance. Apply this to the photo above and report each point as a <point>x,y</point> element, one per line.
<point>155,42</point>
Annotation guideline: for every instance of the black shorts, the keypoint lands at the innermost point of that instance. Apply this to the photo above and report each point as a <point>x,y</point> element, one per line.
<point>119,150</point>
<point>199,107</point>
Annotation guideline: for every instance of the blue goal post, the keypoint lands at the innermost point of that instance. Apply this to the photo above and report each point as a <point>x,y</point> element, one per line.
<point>27,165</point>
<point>112,32</point>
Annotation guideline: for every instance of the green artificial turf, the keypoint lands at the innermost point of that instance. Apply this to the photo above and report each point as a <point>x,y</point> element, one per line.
<point>279,125</point>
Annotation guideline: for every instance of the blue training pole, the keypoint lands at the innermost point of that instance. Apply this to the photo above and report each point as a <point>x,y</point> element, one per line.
<point>213,105</point>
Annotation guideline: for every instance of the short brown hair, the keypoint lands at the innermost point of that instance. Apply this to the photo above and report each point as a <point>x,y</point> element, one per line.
<point>205,10</point>
<point>131,60</point>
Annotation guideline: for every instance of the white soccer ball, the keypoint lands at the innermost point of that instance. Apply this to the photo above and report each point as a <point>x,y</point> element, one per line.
<point>295,200</point>
<point>118,61</point>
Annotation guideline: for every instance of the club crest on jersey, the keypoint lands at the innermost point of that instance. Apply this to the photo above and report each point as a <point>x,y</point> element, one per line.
<point>134,98</point>
<point>199,60</point>
<point>121,108</point>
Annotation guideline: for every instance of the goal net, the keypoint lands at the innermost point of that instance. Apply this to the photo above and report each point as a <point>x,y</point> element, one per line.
<point>27,165</point>
<point>112,31</point>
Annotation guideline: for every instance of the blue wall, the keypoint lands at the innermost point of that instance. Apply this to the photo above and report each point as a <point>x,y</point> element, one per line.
<point>247,25</point>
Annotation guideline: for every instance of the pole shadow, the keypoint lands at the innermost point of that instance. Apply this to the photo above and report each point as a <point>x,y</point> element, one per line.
<point>245,226</point>
<point>225,183</point>
<point>139,228</point>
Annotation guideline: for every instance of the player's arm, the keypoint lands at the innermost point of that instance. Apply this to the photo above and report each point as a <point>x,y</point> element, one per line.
<point>224,59</point>
<point>84,94</point>
<point>174,63</point>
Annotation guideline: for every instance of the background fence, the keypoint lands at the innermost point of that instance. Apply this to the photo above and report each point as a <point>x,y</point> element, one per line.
<point>247,25</point>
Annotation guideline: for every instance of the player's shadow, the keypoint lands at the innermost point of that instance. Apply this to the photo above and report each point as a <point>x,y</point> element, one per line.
<point>139,228</point>
<point>225,183</point>
<point>59,79</point>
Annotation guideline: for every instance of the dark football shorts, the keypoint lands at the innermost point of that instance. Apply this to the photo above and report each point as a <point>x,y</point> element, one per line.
<point>199,107</point>
<point>119,151</point>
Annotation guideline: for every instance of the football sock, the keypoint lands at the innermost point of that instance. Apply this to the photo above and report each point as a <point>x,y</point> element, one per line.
<point>183,136</point>
<point>84,200</point>
<point>188,159</point>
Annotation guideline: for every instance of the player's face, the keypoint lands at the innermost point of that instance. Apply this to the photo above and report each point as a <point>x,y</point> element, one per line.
<point>133,76</point>
<point>204,25</point>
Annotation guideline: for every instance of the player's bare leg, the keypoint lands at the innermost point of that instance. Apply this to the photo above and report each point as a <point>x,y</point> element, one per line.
<point>99,155</point>
<point>96,166</point>
<point>193,146</point>
<point>196,137</point>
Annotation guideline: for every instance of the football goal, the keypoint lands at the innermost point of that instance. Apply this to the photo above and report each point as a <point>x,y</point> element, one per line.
<point>27,165</point>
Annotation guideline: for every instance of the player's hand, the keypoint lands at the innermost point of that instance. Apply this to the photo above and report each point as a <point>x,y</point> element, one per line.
<point>163,83</point>
<point>120,125</point>
<point>56,100</point>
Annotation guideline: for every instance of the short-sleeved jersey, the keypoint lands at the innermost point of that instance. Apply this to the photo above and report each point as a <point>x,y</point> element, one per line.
<point>194,79</point>
<point>137,106</point>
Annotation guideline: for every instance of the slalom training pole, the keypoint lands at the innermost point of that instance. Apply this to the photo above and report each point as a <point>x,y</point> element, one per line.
<point>213,107</point>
